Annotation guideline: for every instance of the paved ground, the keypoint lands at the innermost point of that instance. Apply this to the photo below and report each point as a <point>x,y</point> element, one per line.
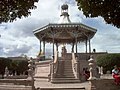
<point>45,85</point>
<point>15,87</point>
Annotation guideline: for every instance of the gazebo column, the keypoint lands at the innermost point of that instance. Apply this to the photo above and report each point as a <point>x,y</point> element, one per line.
<point>86,45</point>
<point>52,74</point>
<point>53,49</point>
<point>72,47</point>
<point>44,49</point>
<point>89,46</point>
<point>56,46</point>
<point>77,62</point>
<point>40,46</point>
<point>76,45</point>
<point>57,49</point>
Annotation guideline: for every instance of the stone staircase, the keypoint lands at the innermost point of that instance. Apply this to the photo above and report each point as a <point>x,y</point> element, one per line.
<point>65,73</point>
<point>68,72</point>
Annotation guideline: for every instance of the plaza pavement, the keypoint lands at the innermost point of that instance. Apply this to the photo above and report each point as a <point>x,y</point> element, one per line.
<point>43,84</point>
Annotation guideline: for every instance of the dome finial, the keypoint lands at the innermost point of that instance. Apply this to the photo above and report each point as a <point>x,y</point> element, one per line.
<point>64,7</point>
<point>64,17</point>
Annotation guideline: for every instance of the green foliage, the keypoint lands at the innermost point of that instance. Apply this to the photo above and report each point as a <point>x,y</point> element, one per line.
<point>19,66</point>
<point>108,61</point>
<point>4,62</point>
<point>12,9</point>
<point>108,9</point>
<point>22,67</point>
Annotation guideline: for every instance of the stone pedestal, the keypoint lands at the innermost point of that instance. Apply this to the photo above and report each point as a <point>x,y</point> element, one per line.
<point>93,68</point>
<point>30,72</point>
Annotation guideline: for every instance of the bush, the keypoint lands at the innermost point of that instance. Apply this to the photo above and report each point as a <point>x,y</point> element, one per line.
<point>19,66</point>
<point>4,62</point>
<point>108,61</point>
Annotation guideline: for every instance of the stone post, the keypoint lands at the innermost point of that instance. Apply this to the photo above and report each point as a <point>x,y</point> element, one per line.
<point>93,68</point>
<point>30,72</point>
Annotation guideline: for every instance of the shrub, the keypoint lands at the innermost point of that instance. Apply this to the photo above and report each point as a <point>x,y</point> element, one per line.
<point>108,61</point>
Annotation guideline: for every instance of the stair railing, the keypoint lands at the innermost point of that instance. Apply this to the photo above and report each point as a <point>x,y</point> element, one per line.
<point>74,65</point>
<point>55,62</point>
<point>53,66</point>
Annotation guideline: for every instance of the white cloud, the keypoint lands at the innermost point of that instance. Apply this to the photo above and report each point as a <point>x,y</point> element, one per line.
<point>18,38</point>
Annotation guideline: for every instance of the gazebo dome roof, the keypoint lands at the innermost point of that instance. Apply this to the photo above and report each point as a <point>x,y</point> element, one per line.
<point>65,31</point>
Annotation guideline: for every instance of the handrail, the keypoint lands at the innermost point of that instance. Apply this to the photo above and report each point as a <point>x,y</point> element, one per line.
<point>56,57</point>
<point>54,66</point>
<point>74,65</point>
<point>55,62</point>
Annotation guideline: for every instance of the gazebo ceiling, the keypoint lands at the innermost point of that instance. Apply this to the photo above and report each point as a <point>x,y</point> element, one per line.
<point>65,33</point>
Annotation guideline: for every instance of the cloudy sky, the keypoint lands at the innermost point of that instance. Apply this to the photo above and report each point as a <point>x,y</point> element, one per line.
<point>17,37</point>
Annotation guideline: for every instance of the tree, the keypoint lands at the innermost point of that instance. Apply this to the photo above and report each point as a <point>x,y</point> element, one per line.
<point>12,9</point>
<point>4,62</point>
<point>108,9</point>
<point>22,66</point>
<point>19,66</point>
<point>108,61</point>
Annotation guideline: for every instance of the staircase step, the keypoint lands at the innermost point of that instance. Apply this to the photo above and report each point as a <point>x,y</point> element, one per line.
<point>64,75</point>
<point>68,77</point>
<point>65,80</point>
<point>66,66</point>
<point>68,73</point>
<point>68,70</point>
<point>82,88</point>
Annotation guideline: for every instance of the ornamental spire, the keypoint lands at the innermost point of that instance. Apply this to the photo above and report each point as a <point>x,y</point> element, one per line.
<point>64,17</point>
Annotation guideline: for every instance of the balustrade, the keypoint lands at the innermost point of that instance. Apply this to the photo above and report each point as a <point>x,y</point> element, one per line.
<point>53,66</point>
<point>75,66</point>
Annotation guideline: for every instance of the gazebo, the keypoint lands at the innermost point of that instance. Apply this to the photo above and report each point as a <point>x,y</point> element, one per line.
<point>64,32</point>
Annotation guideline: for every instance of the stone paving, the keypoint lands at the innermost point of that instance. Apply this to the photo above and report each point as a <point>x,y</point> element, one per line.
<point>43,84</point>
<point>15,87</point>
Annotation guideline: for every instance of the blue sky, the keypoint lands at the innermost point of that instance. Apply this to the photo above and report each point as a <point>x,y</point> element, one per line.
<point>17,37</point>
